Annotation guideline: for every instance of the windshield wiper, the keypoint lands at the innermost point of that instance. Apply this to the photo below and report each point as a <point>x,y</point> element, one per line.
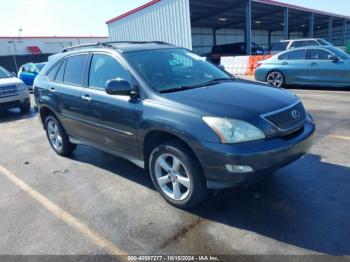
<point>182,88</point>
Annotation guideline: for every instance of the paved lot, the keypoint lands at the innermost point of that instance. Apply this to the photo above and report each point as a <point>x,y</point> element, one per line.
<point>95,203</point>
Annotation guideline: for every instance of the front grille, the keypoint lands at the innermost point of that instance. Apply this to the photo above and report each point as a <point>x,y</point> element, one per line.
<point>289,118</point>
<point>8,90</point>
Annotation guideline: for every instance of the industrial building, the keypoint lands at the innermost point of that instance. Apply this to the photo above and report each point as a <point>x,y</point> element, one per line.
<point>200,24</point>
<point>10,45</point>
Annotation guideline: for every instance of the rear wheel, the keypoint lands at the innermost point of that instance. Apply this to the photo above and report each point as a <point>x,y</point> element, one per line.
<point>177,175</point>
<point>57,137</point>
<point>275,78</point>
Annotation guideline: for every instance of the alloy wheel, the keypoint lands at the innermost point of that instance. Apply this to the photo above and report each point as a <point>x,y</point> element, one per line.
<point>172,177</point>
<point>54,135</point>
<point>275,79</point>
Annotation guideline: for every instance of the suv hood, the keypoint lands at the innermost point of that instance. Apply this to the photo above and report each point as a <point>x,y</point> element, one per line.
<point>238,99</point>
<point>10,81</point>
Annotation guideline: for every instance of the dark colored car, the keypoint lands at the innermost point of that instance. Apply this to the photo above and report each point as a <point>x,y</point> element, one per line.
<point>164,108</point>
<point>28,72</point>
<point>235,49</point>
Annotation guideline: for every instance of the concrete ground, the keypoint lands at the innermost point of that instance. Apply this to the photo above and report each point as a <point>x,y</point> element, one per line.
<point>95,203</point>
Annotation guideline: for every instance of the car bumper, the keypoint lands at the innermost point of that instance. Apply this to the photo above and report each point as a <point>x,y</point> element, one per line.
<point>264,157</point>
<point>14,104</point>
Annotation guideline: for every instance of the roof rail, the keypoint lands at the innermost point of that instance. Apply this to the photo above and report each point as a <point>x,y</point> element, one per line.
<point>110,44</point>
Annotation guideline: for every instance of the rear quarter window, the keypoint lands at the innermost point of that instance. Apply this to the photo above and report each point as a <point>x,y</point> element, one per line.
<point>74,71</point>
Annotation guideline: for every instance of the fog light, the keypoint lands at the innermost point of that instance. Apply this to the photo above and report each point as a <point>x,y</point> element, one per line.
<point>239,169</point>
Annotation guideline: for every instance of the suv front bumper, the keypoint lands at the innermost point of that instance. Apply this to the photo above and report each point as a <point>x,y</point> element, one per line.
<point>263,156</point>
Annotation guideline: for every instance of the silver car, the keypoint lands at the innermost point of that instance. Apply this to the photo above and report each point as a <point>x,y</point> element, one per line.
<point>313,66</point>
<point>13,92</point>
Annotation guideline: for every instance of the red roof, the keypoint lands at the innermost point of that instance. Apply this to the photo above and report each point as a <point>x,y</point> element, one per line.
<point>34,49</point>
<point>271,2</point>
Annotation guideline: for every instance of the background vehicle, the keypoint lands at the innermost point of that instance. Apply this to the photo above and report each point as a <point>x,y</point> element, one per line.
<point>235,49</point>
<point>168,110</point>
<point>13,92</point>
<point>314,66</point>
<point>28,72</point>
<point>284,45</point>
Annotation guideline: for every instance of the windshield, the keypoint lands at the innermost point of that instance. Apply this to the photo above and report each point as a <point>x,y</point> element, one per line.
<point>340,53</point>
<point>4,73</point>
<point>168,69</point>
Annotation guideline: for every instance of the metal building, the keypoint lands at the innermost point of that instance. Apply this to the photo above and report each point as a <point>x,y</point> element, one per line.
<point>200,24</point>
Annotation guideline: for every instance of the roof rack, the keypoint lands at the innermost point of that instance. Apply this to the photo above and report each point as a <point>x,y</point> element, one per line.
<point>110,44</point>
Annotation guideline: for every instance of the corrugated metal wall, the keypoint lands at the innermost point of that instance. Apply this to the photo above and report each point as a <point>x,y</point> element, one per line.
<point>168,21</point>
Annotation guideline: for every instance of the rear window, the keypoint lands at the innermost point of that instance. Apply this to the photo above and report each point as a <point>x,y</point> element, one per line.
<point>74,71</point>
<point>279,46</point>
<point>53,71</point>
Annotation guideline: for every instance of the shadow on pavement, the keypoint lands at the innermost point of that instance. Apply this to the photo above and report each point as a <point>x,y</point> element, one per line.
<point>14,115</point>
<point>306,204</point>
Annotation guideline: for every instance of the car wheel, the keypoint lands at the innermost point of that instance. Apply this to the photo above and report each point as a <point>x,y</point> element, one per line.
<point>275,78</point>
<point>57,137</point>
<point>25,108</point>
<point>177,175</point>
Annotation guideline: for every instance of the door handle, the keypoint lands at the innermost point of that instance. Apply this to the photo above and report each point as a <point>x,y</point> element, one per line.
<point>86,98</point>
<point>52,90</point>
<point>313,64</point>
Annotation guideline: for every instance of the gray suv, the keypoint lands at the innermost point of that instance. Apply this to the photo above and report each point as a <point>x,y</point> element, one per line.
<point>189,123</point>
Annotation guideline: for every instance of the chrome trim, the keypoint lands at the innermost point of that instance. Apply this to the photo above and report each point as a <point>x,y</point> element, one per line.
<point>264,116</point>
<point>98,125</point>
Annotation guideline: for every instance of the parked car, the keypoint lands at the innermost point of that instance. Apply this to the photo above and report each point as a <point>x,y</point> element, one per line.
<point>235,49</point>
<point>284,45</point>
<point>13,92</point>
<point>164,108</point>
<point>314,66</point>
<point>28,72</point>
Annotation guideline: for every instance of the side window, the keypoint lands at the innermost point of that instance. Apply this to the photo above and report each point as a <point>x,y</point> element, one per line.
<point>317,54</point>
<point>310,43</point>
<point>297,55</point>
<point>104,68</point>
<point>53,71</point>
<point>74,71</point>
<point>297,44</point>
<point>60,74</point>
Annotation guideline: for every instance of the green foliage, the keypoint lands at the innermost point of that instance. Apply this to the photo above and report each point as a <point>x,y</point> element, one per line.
<point>348,48</point>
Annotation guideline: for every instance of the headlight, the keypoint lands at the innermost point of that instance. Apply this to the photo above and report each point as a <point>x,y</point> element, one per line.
<point>21,87</point>
<point>233,131</point>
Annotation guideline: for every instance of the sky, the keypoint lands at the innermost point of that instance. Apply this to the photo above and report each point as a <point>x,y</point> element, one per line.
<point>88,17</point>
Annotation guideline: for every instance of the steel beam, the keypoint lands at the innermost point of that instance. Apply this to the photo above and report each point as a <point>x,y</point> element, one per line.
<point>286,23</point>
<point>312,25</point>
<point>344,31</point>
<point>248,29</point>
<point>330,28</point>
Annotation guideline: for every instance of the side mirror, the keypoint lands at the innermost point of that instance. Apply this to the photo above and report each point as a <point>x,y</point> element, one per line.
<point>333,58</point>
<point>119,87</point>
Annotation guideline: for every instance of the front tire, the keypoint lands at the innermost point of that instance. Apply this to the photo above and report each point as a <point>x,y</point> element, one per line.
<point>275,78</point>
<point>57,137</point>
<point>25,108</point>
<point>177,175</point>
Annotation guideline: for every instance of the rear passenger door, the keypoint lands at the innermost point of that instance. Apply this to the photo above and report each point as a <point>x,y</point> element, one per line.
<point>66,91</point>
<point>295,67</point>
<point>113,119</point>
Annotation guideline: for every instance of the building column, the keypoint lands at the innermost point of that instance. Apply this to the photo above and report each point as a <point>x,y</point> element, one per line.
<point>330,28</point>
<point>269,39</point>
<point>214,37</point>
<point>286,23</point>
<point>312,25</point>
<point>248,29</point>
<point>344,29</point>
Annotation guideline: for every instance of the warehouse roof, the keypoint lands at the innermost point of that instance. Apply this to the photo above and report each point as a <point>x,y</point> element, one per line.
<point>266,14</point>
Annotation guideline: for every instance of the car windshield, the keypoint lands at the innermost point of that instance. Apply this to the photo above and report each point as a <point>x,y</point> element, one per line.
<point>174,69</point>
<point>279,46</point>
<point>340,53</point>
<point>4,73</point>
<point>40,66</point>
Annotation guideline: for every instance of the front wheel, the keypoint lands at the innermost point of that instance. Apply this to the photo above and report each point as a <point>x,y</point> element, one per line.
<point>275,78</point>
<point>25,108</point>
<point>177,175</point>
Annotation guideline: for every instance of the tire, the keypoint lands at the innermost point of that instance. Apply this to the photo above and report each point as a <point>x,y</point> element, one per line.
<point>183,185</point>
<point>25,108</point>
<point>275,78</point>
<point>57,137</point>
